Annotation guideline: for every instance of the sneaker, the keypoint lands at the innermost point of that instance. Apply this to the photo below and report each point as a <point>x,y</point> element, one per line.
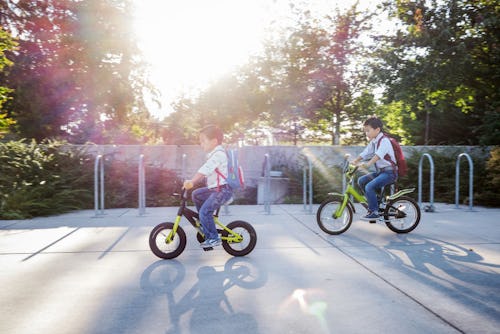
<point>371,216</point>
<point>210,243</point>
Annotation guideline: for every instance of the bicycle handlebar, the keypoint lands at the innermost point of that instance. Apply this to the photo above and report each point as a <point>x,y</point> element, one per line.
<point>349,169</point>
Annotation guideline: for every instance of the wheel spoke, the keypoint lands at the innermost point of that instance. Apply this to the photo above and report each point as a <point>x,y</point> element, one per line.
<point>326,220</point>
<point>402,215</point>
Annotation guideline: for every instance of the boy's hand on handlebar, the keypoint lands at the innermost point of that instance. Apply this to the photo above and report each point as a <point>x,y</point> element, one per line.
<point>188,184</point>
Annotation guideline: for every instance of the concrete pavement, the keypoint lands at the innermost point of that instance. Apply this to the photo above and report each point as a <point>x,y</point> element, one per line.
<point>77,274</point>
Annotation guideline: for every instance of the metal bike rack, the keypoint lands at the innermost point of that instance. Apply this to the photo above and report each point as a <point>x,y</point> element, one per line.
<point>183,167</point>
<point>142,186</point>
<point>99,186</point>
<point>226,207</point>
<point>267,183</point>
<point>457,179</point>
<point>344,183</point>
<point>430,207</point>
<point>307,186</point>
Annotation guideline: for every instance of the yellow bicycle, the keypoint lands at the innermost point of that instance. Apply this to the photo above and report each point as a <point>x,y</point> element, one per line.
<point>400,213</point>
<point>168,240</point>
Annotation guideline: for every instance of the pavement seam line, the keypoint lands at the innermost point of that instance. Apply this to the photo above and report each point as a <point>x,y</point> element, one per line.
<point>377,275</point>
<point>50,245</point>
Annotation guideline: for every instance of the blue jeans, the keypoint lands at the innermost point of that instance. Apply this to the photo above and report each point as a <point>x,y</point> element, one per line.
<point>207,201</point>
<point>373,182</point>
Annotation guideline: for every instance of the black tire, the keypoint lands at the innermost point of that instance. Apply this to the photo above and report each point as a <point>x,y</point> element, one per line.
<point>249,238</point>
<point>402,214</point>
<point>327,223</point>
<point>158,244</point>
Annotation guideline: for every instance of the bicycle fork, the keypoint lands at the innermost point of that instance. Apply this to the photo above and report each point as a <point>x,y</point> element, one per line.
<point>343,203</point>
<point>170,236</point>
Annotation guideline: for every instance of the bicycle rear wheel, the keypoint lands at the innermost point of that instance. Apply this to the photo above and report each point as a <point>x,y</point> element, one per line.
<point>326,220</point>
<point>247,232</point>
<point>402,214</point>
<point>158,241</point>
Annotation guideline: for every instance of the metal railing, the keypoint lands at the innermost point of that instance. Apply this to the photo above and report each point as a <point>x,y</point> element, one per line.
<point>307,186</point>
<point>183,167</point>
<point>99,186</point>
<point>457,179</point>
<point>267,184</point>
<point>430,207</point>
<point>141,177</point>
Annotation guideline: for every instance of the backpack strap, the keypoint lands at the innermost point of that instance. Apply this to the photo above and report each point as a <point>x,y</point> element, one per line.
<point>219,173</point>
<point>218,178</point>
<point>387,157</point>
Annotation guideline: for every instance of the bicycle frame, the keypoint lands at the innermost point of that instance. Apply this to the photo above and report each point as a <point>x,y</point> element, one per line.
<point>349,191</point>
<point>349,171</point>
<point>194,219</point>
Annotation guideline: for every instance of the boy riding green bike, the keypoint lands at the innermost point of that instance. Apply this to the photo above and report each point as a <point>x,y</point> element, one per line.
<point>399,212</point>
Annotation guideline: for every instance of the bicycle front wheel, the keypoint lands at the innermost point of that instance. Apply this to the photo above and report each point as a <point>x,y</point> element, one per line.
<point>246,232</point>
<point>159,244</point>
<point>326,220</point>
<point>402,214</point>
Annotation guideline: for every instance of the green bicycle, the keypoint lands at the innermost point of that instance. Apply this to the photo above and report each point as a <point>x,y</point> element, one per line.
<point>168,240</point>
<point>400,213</point>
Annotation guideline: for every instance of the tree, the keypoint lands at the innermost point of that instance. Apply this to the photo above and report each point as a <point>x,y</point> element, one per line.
<point>6,44</point>
<point>441,67</point>
<point>313,74</point>
<point>306,76</point>
<point>77,73</point>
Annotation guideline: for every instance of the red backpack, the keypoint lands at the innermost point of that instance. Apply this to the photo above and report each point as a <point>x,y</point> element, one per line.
<point>398,153</point>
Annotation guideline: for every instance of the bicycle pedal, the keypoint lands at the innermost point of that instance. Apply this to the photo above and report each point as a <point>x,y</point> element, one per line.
<point>206,249</point>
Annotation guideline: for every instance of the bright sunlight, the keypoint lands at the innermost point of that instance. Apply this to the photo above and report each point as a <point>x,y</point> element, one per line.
<point>189,43</point>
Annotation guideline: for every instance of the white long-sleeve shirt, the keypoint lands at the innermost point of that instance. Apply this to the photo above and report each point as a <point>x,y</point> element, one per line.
<point>384,148</point>
<point>216,159</point>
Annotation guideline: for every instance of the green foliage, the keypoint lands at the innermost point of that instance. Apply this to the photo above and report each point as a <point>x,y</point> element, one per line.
<point>490,183</point>
<point>76,74</point>
<point>303,76</point>
<point>45,179</point>
<point>7,44</point>
<point>442,67</point>
<point>52,177</point>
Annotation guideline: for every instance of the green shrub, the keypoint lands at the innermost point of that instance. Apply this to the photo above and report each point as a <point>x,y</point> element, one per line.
<point>490,183</point>
<point>52,177</point>
<point>42,179</point>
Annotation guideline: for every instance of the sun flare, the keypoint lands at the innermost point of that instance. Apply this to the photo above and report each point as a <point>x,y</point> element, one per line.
<point>191,43</point>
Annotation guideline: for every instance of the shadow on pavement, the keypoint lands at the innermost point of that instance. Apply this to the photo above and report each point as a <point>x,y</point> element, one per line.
<point>205,304</point>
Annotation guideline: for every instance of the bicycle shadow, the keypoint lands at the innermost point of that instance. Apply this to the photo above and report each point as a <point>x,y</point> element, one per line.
<point>206,302</point>
<point>460,273</point>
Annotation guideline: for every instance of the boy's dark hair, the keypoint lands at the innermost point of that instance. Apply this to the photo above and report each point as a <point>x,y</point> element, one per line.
<point>374,122</point>
<point>213,132</point>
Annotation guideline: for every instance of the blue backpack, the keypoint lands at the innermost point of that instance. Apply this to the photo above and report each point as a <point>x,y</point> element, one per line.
<point>235,178</point>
